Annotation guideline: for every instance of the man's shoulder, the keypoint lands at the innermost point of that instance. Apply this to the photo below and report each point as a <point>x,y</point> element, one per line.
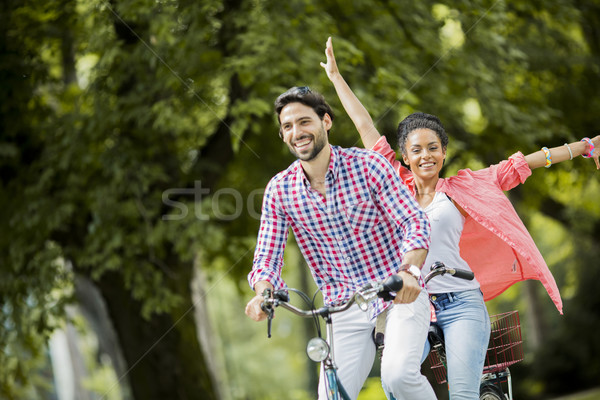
<point>286,175</point>
<point>355,154</point>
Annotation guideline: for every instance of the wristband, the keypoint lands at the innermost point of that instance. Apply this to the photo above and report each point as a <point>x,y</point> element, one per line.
<point>589,152</point>
<point>570,152</point>
<point>548,157</point>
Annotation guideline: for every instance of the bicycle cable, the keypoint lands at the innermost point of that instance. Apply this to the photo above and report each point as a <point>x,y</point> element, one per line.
<point>310,304</point>
<point>313,306</point>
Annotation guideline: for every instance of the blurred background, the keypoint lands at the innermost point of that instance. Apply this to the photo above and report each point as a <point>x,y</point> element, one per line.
<point>136,137</point>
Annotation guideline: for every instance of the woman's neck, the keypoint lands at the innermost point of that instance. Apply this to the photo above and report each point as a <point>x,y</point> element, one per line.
<point>424,187</point>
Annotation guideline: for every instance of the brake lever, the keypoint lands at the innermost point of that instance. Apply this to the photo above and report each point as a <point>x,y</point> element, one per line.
<point>268,309</point>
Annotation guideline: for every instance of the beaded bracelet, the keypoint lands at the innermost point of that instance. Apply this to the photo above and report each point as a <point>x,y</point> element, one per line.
<point>548,157</point>
<point>570,152</point>
<point>589,152</point>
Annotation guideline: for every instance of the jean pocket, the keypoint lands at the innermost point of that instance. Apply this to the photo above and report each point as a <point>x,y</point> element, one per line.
<point>362,216</point>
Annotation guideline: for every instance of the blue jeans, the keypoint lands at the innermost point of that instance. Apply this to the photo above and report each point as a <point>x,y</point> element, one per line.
<point>465,321</point>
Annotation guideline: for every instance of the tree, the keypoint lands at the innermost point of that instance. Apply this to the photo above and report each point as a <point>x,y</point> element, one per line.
<point>122,120</point>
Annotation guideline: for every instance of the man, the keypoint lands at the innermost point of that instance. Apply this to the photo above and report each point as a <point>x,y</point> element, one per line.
<point>355,223</point>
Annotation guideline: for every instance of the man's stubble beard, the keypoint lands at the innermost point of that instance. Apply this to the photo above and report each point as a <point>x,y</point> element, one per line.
<point>318,145</point>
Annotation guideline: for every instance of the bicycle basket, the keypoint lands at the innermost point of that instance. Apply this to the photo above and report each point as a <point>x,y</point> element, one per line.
<point>505,347</point>
<point>437,366</point>
<point>506,344</point>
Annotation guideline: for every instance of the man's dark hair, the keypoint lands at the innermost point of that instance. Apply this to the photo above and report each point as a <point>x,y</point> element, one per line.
<point>420,120</point>
<point>303,94</point>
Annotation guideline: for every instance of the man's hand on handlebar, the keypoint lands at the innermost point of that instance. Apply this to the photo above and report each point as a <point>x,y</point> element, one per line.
<point>410,290</point>
<point>253,308</point>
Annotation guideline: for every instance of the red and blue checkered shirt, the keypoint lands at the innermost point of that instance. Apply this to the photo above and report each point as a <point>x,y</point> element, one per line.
<point>356,234</point>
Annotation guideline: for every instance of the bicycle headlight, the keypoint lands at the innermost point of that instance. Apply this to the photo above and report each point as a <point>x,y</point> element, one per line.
<point>317,349</point>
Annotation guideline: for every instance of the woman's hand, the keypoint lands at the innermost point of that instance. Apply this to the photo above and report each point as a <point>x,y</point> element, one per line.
<point>331,67</point>
<point>355,110</point>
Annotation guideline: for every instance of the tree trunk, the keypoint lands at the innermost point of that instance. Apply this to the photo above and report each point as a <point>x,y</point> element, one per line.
<point>535,316</point>
<point>93,308</point>
<point>205,330</point>
<point>163,354</point>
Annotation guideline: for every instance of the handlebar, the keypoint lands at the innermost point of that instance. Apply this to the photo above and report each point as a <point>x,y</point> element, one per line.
<point>367,293</point>
<point>383,289</point>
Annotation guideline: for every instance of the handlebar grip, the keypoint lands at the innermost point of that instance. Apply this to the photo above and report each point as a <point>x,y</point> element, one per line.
<point>464,274</point>
<point>393,284</point>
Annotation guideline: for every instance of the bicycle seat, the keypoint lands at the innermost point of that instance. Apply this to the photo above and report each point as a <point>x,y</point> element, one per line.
<point>435,335</point>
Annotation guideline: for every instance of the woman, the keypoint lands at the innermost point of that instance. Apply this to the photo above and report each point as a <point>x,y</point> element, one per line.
<point>471,209</point>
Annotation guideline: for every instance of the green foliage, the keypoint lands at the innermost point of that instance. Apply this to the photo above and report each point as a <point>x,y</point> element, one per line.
<point>372,390</point>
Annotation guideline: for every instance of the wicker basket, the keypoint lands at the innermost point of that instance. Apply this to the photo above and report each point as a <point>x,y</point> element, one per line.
<point>505,347</point>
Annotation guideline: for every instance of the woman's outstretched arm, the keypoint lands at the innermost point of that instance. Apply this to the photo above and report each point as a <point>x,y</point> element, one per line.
<point>566,152</point>
<point>355,110</point>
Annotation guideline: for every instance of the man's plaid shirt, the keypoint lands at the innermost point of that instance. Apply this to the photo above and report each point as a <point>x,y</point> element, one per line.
<point>357,234</point>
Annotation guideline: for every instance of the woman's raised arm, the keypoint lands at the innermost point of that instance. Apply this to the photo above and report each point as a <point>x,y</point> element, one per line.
<point>568,151</point>
<point>355,110</point>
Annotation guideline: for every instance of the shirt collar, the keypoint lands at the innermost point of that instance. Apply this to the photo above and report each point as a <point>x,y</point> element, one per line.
<point>332,170</point>
<point>334,164</point>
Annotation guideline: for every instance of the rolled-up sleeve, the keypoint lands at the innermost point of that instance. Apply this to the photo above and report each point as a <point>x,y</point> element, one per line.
<point>512,172</point>
<point>398,205</point>
<point>272,236</point>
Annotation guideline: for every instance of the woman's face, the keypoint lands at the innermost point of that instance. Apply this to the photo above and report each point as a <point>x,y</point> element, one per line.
<point>424,153</point>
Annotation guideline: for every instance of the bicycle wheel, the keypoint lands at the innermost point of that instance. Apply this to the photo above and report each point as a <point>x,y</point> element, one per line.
<point>489,391</point>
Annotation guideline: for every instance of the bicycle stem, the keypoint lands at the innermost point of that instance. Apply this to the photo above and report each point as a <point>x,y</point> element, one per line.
<point>331,357</point>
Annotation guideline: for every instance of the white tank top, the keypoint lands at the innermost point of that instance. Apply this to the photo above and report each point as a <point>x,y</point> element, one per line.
<point>446,228</point>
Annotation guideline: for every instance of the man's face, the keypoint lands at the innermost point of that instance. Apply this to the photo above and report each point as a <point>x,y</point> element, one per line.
<point>303,131</point>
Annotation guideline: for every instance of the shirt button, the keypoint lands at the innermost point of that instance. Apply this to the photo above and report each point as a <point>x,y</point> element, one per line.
<point>348,258</point>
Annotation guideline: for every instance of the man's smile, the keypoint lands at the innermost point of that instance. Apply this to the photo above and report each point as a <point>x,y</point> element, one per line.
<point>303,143</point>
